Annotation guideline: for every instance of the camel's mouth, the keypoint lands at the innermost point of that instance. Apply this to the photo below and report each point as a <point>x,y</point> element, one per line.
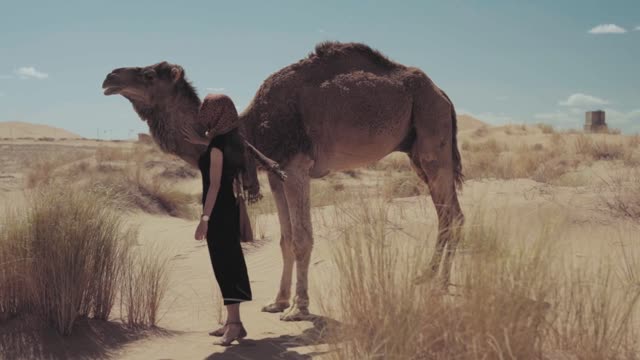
<point>111,90</point>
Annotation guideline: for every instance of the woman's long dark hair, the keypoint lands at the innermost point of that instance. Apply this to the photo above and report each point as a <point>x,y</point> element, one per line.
<point>234,151</point>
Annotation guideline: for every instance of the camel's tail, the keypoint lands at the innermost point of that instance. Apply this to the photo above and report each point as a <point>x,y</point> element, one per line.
<point>457,161</point>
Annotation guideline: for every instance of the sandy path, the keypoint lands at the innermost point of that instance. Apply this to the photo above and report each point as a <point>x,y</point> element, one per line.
<point>193,302</point>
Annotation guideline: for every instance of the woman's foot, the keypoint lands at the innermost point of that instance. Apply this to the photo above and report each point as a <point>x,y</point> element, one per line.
<point>219,332</point>
<point>234,331</point>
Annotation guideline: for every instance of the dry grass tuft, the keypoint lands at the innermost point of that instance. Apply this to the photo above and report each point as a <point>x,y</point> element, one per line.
<point>396,162</point>
<point>143,286</point>
<point>546,128</point>
<point>550,162</point>
<point>120,176</point>
<point>112,153</point>
<point>482,131</point>
<point>599,149</point>
<point>41,170</point>
<point>62,257</point>
<point>131,189</point>
<point>406,184</point>
<point>511,300</point>
<point>622,196</point>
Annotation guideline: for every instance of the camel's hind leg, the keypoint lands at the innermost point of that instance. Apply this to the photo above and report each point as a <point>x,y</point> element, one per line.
<point>286,246</point>
<point>432,158</point>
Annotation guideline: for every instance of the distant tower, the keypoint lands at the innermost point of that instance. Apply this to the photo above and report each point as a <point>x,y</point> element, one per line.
<point>594,121</point>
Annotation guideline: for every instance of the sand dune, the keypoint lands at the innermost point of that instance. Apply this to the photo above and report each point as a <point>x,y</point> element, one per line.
<point>19,129</point>
<point>468,122</point>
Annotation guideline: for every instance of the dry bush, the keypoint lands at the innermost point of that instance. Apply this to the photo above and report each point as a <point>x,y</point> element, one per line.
<point>510,302</point>
<point>599,149</point>
<point>550,163</point>
<point>622,195</point>
<point>15,236</point>
<point>112,153</point>
<point>61,258</point>
<point>131,189</point>
<point>43,169</point>
<point>594,313</point>
<point>406,184</point>
<point>482,131</point>
<point>395,162</point>
<point>143,286</point>
<point>179,172</point>
<point>546,128</point>
<point>491,145</point>
<point>119,177</point>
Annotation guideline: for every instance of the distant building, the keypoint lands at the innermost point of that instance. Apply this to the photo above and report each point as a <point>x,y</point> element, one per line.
<point>595,121</point>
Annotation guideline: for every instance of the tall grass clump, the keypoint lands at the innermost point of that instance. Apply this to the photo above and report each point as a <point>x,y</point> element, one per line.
<point>65,256</point>
<point>622,195</point>
<point>599,149</point>
<point>41,170</point>
<point>131,188</point>
<point>546,128</point>
<point>513,295</point>
<point>143,286</point>
<point>373,283</point>
<point>14,255</point>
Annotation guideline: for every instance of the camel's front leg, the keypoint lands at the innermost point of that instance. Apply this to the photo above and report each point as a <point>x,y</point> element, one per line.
<point>296,189</point>
<point>282,299</point>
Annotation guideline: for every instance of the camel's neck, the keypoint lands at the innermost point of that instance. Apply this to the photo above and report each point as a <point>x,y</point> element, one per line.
<point>166,121</point>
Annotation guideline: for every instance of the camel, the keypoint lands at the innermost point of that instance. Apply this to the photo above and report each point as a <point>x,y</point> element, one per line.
<point>344,106</point>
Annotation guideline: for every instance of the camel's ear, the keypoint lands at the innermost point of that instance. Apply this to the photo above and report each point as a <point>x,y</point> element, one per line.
<point>177,73</point>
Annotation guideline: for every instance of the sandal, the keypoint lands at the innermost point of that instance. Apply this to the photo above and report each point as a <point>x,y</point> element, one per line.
<point>219,332</point>
<point>227,341</point>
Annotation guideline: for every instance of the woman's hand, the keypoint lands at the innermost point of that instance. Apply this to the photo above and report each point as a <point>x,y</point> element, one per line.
<point>201,230</point>
<point>192,136</point>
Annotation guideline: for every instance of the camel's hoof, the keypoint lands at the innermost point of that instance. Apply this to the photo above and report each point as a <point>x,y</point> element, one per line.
<point>275,307</point>
<point>296,314</point>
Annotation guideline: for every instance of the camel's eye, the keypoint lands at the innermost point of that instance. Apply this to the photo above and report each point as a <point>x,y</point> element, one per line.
<point>149,75</point>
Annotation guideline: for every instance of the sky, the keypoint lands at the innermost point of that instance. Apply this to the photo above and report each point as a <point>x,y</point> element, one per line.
<point>500,61</point>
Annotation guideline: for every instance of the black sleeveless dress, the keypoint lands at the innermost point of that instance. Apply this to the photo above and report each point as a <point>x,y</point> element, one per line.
<point>223,234</point>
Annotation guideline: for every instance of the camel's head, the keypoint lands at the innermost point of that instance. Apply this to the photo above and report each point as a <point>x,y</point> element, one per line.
<point>147,86</point>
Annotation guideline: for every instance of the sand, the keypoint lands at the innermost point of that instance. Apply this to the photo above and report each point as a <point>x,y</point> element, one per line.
<point>468,122</point>
<point>193,307</point>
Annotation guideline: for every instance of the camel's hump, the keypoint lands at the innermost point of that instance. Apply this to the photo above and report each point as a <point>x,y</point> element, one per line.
<point>335,49</point>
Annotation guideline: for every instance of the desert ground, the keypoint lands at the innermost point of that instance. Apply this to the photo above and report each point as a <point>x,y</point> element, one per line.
<point>548,266</point>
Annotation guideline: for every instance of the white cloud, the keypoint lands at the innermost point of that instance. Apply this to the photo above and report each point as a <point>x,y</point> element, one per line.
<point>216,89</point>
<point>607,29</point>
<point>637,28</point>
<point>1,94</point>
<point>580,100</point>
<point>29,72</point>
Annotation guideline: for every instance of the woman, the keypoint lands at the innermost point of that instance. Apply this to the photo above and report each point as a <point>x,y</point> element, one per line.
<point>220,165</point>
